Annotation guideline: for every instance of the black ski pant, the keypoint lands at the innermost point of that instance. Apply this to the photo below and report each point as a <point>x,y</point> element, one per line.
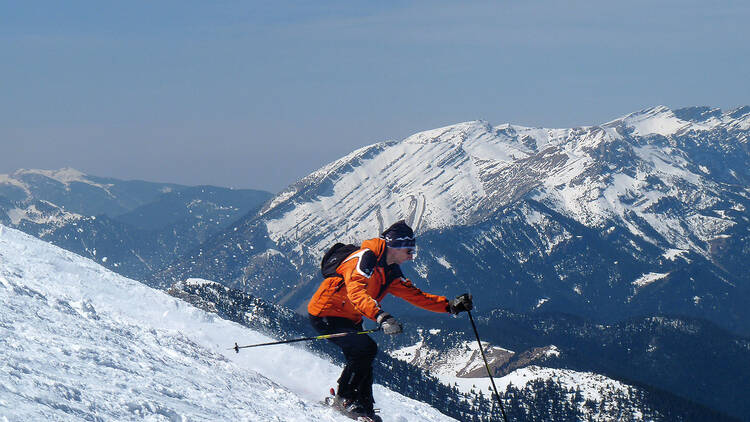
<point>355,382</point>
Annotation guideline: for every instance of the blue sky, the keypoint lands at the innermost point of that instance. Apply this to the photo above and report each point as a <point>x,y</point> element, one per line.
<point>257,94</point>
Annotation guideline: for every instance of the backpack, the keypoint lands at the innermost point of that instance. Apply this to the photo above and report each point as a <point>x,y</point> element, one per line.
<point>334,257</point>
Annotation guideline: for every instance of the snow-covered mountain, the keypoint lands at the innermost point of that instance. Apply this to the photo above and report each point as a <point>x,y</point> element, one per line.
<point>647,213</point>
<point>463,361</point>
<point>132,227</point>
<point>80,342</point>
<point>42,200</point>
<point>689,358</point>
<point>457,175</point>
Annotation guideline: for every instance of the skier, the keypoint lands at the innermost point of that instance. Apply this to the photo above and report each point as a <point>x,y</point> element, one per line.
<point>363,278</point>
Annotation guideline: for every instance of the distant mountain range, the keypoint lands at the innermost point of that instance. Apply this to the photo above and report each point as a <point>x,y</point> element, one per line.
<point>642,215</point>
<point>133,227</point>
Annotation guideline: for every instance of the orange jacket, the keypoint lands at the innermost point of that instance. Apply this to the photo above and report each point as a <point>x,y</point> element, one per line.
<point>365,285</point>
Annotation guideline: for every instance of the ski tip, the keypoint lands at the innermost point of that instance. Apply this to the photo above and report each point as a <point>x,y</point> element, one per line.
<point>332,391</point>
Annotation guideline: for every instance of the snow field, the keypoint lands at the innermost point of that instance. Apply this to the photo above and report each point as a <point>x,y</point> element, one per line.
<point>82,343</point>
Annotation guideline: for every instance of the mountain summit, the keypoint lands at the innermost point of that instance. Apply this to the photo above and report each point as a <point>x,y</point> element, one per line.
<point>646,213</point>
<point>458,175</point>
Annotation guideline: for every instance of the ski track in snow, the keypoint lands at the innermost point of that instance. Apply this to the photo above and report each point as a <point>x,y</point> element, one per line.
<point>82,343</point>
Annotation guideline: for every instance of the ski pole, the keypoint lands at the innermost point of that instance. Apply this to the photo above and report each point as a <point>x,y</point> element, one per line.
<point>324,336</point>
<point>486,365</point>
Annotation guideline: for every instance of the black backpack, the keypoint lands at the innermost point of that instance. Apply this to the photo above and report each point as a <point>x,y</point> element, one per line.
<point>334,257</point>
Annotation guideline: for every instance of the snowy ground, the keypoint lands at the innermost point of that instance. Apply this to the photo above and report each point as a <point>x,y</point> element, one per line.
<point>446,367</point>
<point>82,343</point>
<point>593,386</point>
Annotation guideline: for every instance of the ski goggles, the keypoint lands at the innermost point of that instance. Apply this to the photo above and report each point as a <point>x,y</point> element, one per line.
<point>401,243</point>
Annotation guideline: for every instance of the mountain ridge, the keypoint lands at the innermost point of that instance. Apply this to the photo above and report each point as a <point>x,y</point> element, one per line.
<point>650,188</point>
<point>132,227</point>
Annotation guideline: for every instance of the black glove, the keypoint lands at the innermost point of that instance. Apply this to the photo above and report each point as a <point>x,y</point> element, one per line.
<point>389,324</point>
<point>461,303</point>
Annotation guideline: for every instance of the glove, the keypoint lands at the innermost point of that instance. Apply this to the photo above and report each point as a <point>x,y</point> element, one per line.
<point>460,303</point>
<point>389,324</point>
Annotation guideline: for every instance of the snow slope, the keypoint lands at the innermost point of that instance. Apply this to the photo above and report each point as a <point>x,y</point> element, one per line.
<point>448,367</point>
<point>451,366</point>
<point>82,343</point>
<point>594,387</point>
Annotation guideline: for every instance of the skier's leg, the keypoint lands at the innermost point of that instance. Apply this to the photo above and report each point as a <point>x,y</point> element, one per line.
<point>355,382</point>
<point>364,393</point>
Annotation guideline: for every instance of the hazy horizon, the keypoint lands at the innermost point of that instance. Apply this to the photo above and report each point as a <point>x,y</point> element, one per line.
<point>257,95</point>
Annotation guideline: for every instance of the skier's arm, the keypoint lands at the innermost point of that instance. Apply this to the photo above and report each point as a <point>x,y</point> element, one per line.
<point>405,289</point>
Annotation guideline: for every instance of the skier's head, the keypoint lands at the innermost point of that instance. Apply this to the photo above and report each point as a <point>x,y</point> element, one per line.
<point>399,235</point>
<point>399,238</point>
